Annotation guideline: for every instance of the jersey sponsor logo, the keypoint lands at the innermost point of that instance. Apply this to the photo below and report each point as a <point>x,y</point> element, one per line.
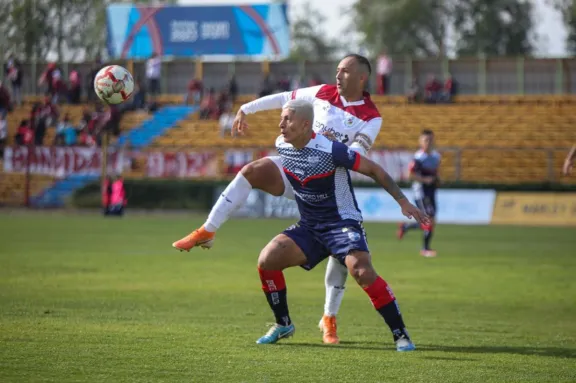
<point>351,154</point>
<point>354,236</point>
<point>311,197</point>
<point>322,128</point>
<point>299,172</point>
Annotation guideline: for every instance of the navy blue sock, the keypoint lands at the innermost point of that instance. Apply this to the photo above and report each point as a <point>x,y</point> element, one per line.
<point>428,231</point>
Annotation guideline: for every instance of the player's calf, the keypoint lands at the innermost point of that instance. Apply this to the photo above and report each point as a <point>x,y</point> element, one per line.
<point>279,254</point>
<point>381,295</point>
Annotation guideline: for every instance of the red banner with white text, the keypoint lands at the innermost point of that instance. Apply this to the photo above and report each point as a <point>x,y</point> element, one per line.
<point>60,161</point>
<point>182,164</point>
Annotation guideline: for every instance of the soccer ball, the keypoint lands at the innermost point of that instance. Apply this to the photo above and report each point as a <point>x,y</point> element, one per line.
<point>113,84</point>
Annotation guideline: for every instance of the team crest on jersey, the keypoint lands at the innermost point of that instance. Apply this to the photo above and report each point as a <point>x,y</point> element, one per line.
<point>351,154</point>
<point>354,236</point>
<point>313,160</point>
<point>349,121</point>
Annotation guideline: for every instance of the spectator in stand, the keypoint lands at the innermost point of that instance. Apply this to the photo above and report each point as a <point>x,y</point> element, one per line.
<point>315,80</point>
<point>153,72</point>
<point>65,132</point>
<point>233,88</point>
<point>75,87</point>
<point>413,92</point>
<point>14,73</point>
<point>47,78</point>
<point>226,120</point>
<point>49,111</point>
<point>224,103</point>
<point>450,89</point>
<point>383,70</point>
<point>96,66</point>
<point>283,84</point>
<point>24,135</point>
<point>85,138</point>
<point>266,88</point>
<point>194,94</point>
<point>208,105</point>
<point>3,134</point>
<point>432,90</point>
<point>5,103</point>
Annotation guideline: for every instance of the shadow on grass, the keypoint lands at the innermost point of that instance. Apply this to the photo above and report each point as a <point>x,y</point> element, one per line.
<point>532,351</point>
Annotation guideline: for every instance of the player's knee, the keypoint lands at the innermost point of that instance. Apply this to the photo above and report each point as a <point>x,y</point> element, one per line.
<point>250,172</point>
<point>362,272</point>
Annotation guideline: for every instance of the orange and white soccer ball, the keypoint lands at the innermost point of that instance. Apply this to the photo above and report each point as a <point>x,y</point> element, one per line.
<point>114,84</point>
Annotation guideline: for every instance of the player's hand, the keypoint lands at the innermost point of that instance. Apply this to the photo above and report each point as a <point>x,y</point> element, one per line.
<point>239,125</point>
<point>567,168</point>
<point>329,136</point>
<point>411,211</point>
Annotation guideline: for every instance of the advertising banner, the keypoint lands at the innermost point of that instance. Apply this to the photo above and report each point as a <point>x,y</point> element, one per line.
<point>454,206</point>
<point>182,165</point>
<point>137,31</point>
<point>535,209</point>
<point>60,161</point>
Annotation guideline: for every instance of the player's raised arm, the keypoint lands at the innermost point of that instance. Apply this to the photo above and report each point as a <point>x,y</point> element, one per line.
<point>273,101</point>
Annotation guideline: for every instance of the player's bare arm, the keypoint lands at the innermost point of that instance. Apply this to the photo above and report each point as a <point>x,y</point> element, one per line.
<point>371,169</point>
<point>569,161</point>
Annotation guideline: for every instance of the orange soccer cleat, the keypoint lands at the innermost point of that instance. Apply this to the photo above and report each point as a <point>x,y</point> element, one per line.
<point>328,327</point>
<point>200,237</point>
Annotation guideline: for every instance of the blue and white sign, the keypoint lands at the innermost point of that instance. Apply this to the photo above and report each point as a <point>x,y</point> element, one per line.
<point>137,31</point>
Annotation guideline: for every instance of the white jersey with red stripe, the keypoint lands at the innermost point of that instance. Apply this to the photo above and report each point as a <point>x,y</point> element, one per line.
<point>354,123</point>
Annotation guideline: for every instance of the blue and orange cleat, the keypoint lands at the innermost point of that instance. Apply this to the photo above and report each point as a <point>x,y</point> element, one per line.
<point>276,333</point>
<point>200,237</point>
<point>401,231</point>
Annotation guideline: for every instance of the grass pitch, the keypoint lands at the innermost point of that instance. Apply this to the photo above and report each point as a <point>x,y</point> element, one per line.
<point>88,299</point>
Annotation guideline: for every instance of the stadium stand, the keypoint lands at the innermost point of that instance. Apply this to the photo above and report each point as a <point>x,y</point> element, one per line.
<point>492,129</point>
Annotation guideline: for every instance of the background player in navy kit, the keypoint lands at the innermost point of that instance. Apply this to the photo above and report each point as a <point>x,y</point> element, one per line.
<point>424,174</point>
<point>330,223</point>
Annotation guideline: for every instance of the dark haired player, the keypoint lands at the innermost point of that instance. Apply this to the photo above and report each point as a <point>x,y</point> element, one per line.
<point>345,113</point>
<point>424,176</point>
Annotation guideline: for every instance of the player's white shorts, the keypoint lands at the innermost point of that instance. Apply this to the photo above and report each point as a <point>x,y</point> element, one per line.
<point>288,191</point>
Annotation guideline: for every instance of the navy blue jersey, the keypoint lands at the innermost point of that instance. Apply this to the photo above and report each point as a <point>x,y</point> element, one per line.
<point>319,177</point>
<point>425,165</point>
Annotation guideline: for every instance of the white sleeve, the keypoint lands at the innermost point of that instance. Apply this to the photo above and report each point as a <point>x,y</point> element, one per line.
<point>365,138</point>
<point>277,101</point>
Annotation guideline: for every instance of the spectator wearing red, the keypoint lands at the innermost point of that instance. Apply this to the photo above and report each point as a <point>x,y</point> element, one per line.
<point>450,88</point>
<point>24,134</point>
<point>432,90</point>
<point>75,87</point>
<point>383,70</point>
<point>209,105</point>
<point>194,94</point>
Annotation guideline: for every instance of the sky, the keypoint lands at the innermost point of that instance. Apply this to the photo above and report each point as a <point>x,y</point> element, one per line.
<point>550,31</point>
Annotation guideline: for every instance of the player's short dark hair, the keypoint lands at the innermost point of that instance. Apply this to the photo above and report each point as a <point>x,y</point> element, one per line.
<point>363,61</point>
<point>427,132</point>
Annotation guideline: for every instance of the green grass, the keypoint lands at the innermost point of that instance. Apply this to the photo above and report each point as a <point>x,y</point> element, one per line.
<point>88,299</point>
